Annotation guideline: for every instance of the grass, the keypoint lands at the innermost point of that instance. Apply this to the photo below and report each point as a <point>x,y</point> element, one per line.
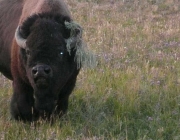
<point>133,93</point>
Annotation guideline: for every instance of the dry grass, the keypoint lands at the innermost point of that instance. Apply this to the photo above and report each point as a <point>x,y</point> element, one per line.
<point>133,93</point>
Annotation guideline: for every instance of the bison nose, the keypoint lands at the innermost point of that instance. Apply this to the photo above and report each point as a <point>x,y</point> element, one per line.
<point>41,70</point>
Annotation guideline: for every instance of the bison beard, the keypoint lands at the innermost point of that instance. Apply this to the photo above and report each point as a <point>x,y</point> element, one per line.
<point>44,72</point>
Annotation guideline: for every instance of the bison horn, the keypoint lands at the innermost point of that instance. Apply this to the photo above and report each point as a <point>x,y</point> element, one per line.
<point>19,39</point>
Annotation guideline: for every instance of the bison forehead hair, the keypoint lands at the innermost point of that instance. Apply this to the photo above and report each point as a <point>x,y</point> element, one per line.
<point>45,18</point>
<point>45,36</point>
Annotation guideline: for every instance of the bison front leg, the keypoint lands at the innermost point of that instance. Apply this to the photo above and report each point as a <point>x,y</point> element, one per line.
<point>22,102</point>
<point>62,104</point>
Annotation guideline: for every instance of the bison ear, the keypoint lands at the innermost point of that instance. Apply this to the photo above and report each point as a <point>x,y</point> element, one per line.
<point>75,38</point>
<point>19,38</point>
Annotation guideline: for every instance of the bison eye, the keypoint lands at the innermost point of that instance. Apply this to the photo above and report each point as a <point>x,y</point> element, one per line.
<point>61,54</point>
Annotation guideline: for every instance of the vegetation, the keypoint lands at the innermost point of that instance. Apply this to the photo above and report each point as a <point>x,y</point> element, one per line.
<point>133,93</point>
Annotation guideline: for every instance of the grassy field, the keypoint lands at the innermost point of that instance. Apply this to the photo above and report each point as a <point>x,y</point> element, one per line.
<point>133,93</point>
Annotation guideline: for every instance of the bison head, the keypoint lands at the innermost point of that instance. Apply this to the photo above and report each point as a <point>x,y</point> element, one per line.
<point>45,57</point>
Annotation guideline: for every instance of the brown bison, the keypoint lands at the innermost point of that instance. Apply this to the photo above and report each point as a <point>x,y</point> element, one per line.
<point>39,51</point>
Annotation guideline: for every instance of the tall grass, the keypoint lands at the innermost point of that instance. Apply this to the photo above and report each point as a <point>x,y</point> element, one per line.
<point>133,93</point>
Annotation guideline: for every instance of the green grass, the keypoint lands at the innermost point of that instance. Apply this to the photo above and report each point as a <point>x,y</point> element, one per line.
<point>133,93</point>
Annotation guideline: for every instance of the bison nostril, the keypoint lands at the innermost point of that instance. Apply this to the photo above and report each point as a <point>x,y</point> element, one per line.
<point>34,70</point>
<point>47,70</point>
<point>41,70</point>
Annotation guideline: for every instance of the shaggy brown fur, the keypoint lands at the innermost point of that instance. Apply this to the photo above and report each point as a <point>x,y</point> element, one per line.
<point>9,18</point>
<point>43,72</point>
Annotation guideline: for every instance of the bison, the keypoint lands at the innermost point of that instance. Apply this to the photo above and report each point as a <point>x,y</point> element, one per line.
<point>39,52</point>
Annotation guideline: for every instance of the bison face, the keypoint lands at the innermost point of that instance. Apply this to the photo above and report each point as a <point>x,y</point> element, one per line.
<point>45,58</point>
